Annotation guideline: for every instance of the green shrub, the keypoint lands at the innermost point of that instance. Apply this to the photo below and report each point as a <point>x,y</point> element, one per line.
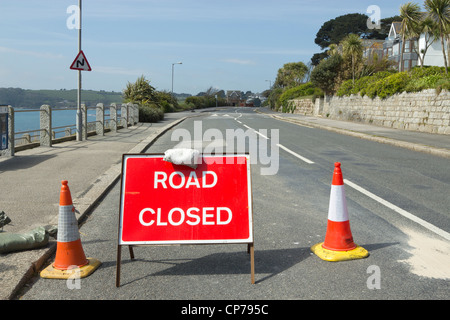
<point>150,113</point>
<point>206,101</point>
<point>428,82</point>
<point>418,72</point>
<point>306,89</point>
<point>386,83</point>
<point>389,86</point>
<point>361,85</point>
<point>443,84</point>
<point>345,89</point>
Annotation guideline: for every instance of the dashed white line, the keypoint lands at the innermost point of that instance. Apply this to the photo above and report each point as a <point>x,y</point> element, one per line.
<point>295,154</point>
<point>257,132</point>
<point>400,211</point>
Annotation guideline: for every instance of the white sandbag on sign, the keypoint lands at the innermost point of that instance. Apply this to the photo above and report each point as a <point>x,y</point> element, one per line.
<point>187,157</point>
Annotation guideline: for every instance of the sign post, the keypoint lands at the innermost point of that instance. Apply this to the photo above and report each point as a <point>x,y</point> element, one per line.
<point>164,203</point>
<point>81,64</point>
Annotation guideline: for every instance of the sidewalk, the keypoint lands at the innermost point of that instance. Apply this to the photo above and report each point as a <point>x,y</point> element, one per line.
<point>436,144</point>
<point>30,185</point>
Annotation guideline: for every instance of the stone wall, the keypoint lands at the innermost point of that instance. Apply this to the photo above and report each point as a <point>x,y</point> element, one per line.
<point>423,111</point>
<point>302,106</point>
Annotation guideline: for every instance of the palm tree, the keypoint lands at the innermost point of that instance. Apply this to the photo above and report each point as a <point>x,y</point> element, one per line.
<point>428,28</point>
<point>410,14</point>
<point>352,46</point>
<point>439,12</point>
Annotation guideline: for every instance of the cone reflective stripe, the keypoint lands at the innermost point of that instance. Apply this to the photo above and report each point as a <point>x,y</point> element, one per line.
<point>339,236</point>
<point>69,250</point>
<point>338,244</point>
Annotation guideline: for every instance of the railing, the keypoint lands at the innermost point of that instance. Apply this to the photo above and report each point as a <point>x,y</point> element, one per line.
<point>116,117</point>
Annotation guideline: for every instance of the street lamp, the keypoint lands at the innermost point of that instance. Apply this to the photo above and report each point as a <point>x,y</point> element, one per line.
<point>79,134</point>
<point>172,72</point>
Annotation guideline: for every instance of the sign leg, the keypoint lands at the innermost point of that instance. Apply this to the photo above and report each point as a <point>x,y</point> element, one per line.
<point>119,251</point>
<point>252,261</point>
<point>131,252</point>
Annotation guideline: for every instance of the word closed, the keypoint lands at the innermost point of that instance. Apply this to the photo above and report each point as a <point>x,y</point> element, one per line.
<point>166,203</point>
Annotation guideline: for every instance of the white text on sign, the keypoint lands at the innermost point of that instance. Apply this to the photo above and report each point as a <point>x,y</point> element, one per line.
<point>192,216</point>
<point>161,178</point>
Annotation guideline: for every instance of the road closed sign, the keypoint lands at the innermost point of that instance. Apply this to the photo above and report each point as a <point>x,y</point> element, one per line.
<point>164,203</point>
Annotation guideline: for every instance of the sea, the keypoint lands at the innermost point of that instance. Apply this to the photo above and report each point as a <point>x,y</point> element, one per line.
<point>30,120</point>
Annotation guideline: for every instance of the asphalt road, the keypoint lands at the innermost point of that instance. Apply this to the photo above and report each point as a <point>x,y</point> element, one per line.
<point>398,210</point>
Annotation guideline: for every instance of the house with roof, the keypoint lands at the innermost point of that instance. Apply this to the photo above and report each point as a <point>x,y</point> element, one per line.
<point>392,47</point>
<point>424,45</point>
<point>373,49</point>
<point>234,98</point>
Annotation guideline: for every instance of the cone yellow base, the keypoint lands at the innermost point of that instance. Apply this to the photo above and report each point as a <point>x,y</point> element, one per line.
<point>51,273</point>
<point>329,255</point>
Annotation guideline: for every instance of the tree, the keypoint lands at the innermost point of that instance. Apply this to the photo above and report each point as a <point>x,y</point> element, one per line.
<point>139,92</point>
<point>428,28</point>
<point>353,47</point>
<point>291,75</point>
<point>325,76</point>
<point>335,30</point>
<point>410,15</point>
<point>317,57</point>
<point>439,12</point>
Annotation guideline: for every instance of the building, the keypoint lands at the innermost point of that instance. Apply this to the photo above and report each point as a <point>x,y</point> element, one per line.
<point>234,98</point>
<point>392,47</point>
<point>372,48</point>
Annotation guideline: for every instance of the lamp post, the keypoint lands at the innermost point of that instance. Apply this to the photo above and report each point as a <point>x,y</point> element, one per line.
<point>79,117</point>
<point>173,64</point>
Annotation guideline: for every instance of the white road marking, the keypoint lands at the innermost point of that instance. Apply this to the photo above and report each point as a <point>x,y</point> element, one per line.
<point>257,132</point>
<point>295,154</point>
<point>400,211</point>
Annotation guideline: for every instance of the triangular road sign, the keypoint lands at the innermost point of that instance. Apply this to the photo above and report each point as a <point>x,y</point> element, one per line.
<point>80,63</point>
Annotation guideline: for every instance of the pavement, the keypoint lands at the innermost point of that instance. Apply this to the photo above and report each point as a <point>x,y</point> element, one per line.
<point>30,182</point>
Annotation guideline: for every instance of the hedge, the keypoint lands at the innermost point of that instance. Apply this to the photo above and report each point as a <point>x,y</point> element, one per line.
<point>385,84</point>
<point>150,113</point>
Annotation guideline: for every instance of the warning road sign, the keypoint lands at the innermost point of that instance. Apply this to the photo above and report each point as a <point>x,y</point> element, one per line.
<point>80,63</point>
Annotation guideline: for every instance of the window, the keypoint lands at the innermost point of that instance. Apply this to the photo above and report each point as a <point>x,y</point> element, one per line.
<point>407,46</point>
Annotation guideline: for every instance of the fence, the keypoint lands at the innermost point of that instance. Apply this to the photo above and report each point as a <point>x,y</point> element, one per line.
<point>119,116</point>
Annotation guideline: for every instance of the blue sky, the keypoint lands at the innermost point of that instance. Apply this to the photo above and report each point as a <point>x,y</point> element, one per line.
<point>229,45</point>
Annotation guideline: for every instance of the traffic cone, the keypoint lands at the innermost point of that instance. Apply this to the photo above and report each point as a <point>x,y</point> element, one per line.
<point>69,251</point>
<point>338,244</point>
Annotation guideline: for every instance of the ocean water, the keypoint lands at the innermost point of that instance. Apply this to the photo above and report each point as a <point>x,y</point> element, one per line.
<point>26,121</point>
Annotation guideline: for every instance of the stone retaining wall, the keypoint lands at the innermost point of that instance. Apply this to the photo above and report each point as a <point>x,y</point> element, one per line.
<point>423,111</point>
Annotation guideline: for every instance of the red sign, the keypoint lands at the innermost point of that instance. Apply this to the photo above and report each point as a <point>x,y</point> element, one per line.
<point>80,63</point>
<point>164,203</point>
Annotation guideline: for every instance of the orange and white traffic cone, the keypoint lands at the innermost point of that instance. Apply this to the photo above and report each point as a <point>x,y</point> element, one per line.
<point>338,244</point>
<point>69,251</point>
